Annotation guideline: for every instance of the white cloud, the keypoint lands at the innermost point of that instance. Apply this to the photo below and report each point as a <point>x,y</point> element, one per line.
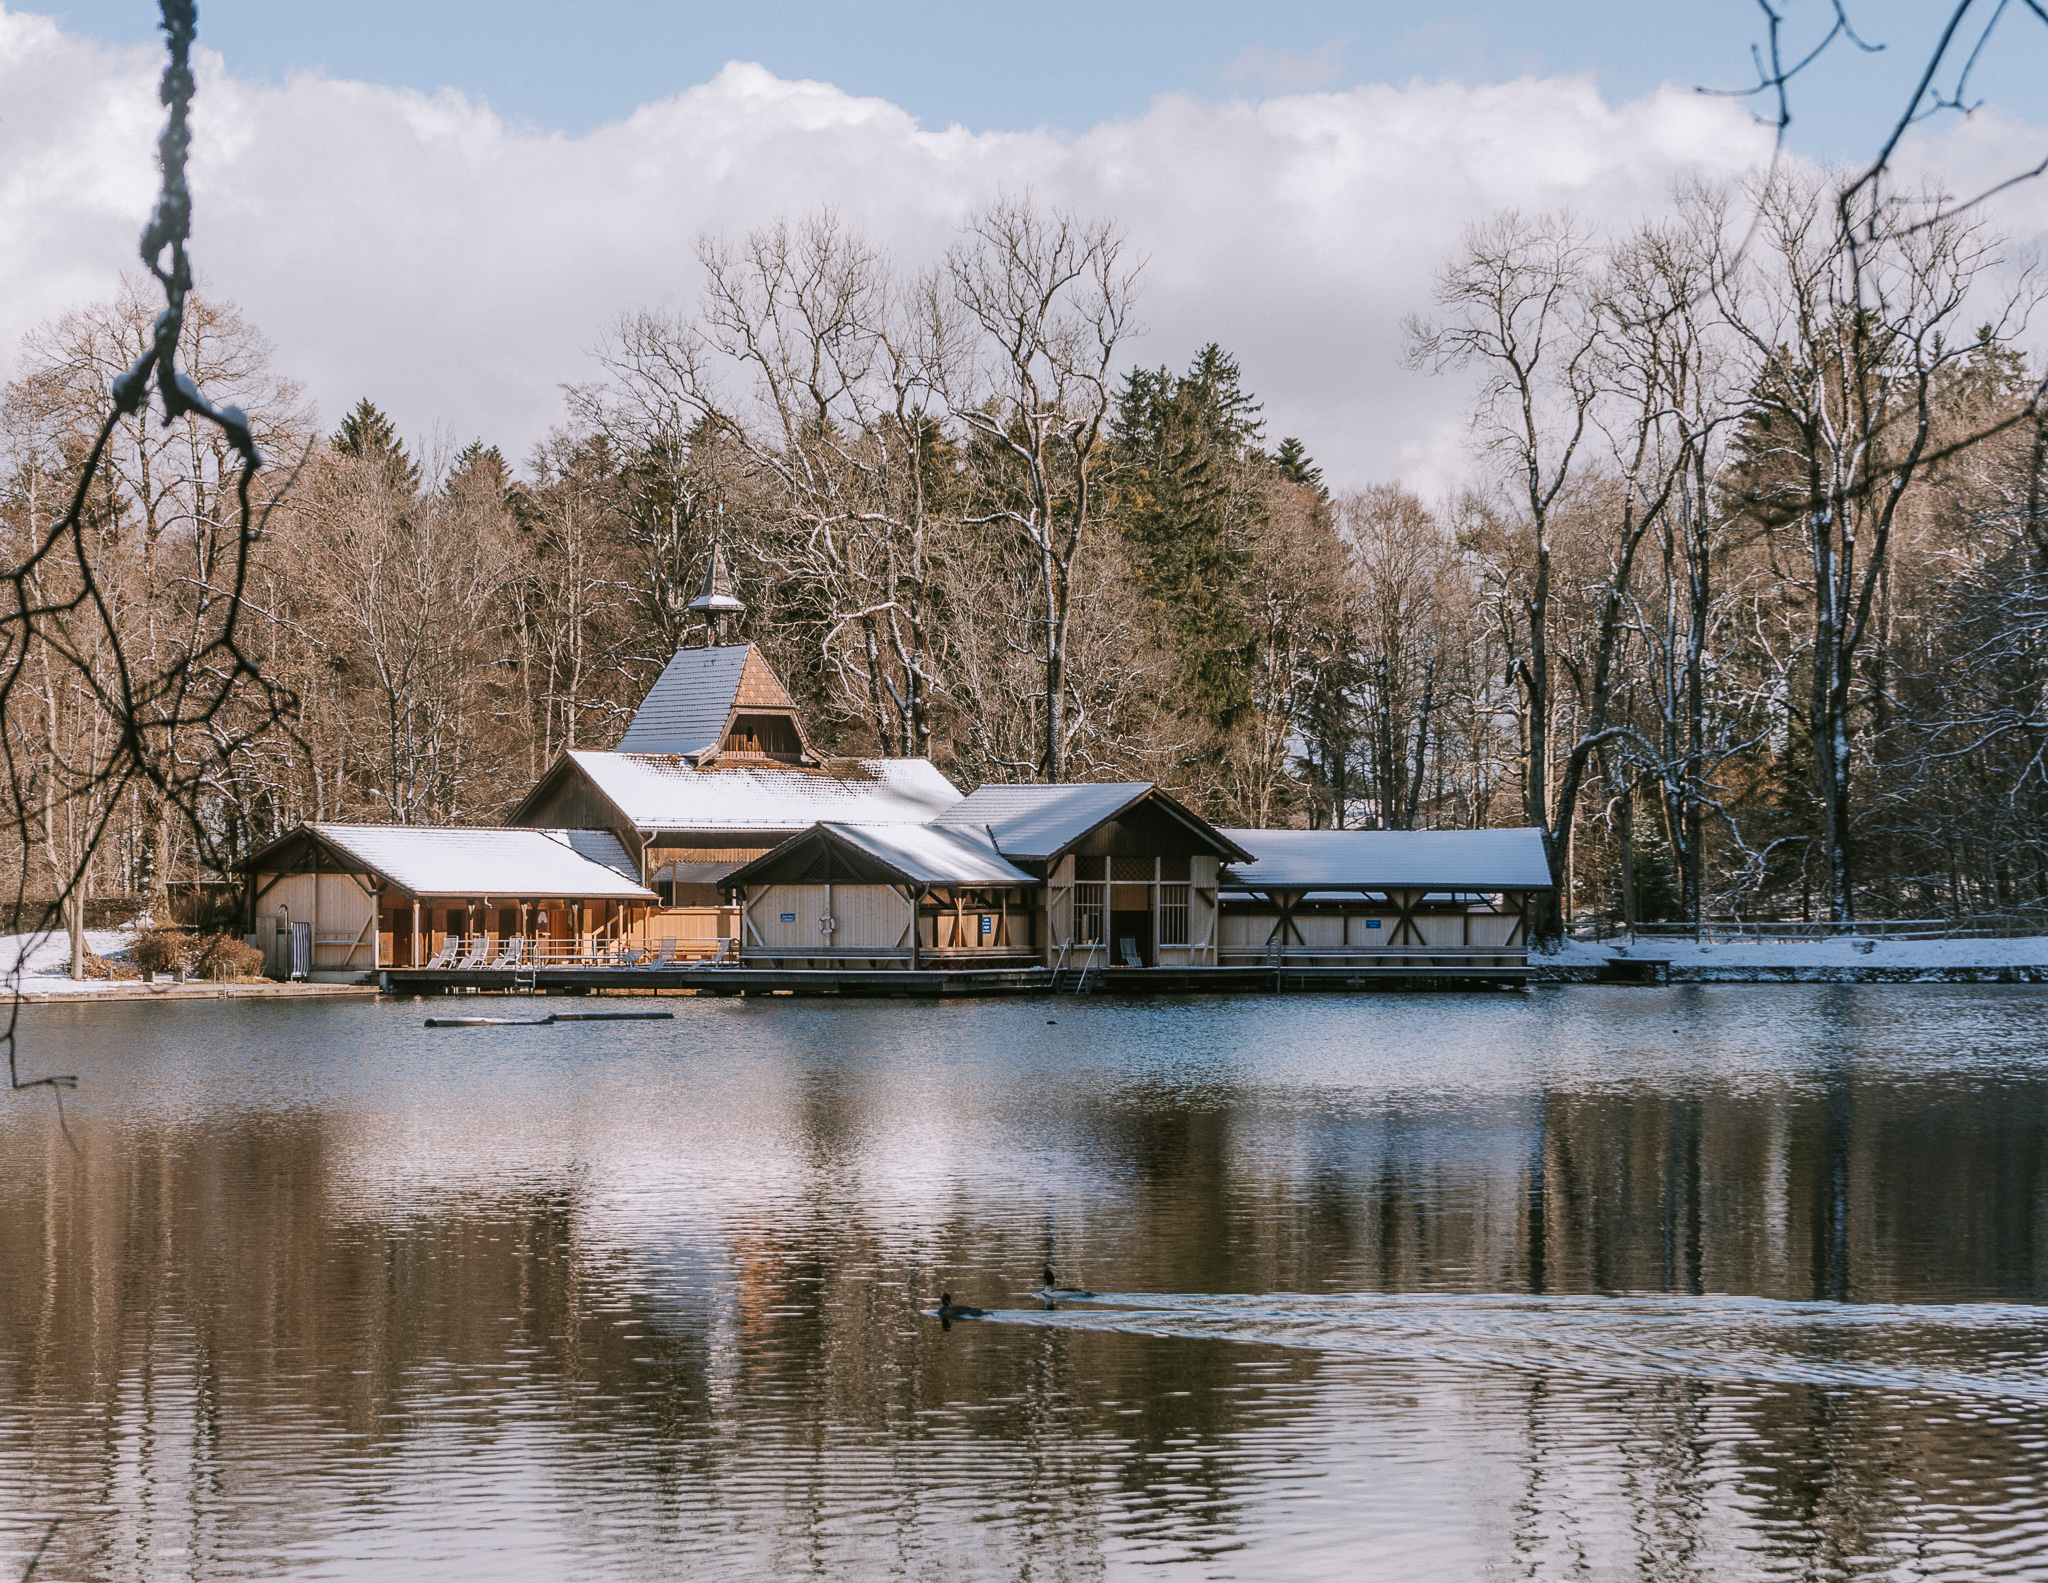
<point>456,269</point>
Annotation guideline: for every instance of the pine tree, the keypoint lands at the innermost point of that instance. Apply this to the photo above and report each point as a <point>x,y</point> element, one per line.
<point>1292,464</point>
<point>369,436</point>
<point>1179,438</point>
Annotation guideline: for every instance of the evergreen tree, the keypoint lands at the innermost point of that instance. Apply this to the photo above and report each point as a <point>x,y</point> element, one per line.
<point>1292,464</point>
<point>369,436</point>
<point>1181,440</point>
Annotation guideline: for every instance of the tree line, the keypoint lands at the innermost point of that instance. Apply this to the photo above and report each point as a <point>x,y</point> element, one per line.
<point>1746,604</point>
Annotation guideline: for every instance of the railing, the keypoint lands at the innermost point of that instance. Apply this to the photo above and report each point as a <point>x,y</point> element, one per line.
<point>1273,954</point>
<point>1723,931</point>
<point>492,953</point>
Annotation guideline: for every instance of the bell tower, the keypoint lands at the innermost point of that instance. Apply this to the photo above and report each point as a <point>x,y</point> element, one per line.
<point>716,600</point>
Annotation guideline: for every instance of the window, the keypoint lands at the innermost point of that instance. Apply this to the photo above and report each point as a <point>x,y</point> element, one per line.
<point>1088,911</point>
<point>1173,915</point>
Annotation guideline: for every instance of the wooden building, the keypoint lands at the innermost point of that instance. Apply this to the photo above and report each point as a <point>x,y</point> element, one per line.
<point>1010,875</point>
<point>885,896</point>
<point>1382,898</point>
<point>715,771</point>
<point>333,902</point>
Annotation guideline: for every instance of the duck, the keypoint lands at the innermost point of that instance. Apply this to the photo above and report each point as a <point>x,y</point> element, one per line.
<point>948,1309</point>
<point>1054,1289</point>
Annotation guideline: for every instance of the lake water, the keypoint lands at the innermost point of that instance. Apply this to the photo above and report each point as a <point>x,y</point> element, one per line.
<point>1708,1282</point>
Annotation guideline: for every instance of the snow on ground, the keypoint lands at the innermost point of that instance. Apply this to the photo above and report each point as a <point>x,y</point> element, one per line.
<point>1838,951</point>
<point>44,960</point>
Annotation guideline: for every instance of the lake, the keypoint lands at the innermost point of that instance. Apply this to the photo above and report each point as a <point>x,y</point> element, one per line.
<point>1699,1282</point>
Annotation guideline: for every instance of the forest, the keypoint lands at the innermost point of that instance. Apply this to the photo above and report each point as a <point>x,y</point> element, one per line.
<point>1745,602</point>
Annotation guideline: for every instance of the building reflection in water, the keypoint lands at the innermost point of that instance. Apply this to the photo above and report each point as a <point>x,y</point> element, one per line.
<point>661,1320</point>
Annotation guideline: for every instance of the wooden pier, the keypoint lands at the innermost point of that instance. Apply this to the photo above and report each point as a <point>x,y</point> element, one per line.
<point>947,983</point>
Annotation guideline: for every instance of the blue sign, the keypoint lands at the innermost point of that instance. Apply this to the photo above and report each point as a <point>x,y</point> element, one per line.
<point>790,917</point>
<point>988,924</point>
<point>1372,923</point>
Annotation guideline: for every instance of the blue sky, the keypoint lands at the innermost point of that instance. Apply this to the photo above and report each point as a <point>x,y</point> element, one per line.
<point>1069,63</point>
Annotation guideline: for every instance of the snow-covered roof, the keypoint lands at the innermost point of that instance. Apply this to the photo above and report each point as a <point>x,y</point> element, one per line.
<point>930,854</point>
<point>663,791</point>
<point>1038,822</point>
<point>1476,860</point>
<point>486,862</point>
<point>686,709</point>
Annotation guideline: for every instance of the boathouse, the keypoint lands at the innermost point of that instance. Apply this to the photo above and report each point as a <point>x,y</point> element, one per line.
<point>1118,873</point>
<point>1392,899</point>
<point>715,771</point>
<point>332,901</point>
<point>885,896</point>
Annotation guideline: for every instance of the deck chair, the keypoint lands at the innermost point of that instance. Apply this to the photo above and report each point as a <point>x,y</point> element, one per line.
<point>510,956</point>
<point>479,954</point>
<point>1127,948</point>
<point>665,957</point>
<point>629,956</point>
<point>451,948</point>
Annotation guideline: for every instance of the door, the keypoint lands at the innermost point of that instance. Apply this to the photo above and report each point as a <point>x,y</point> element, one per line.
<point>1135,926</point>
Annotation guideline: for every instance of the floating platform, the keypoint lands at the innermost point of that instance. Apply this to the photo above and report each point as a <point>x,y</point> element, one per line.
<point>942,983</point>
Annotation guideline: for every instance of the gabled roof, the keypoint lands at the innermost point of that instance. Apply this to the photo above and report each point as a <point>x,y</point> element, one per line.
<point>902,854</point>
<point>470,862</point>
<point>1472,860</point>
<point>1039,823</point>
<point>659,791</point>
<point>693,700</point>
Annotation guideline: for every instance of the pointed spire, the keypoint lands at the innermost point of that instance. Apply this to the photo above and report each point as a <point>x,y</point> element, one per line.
<point>716,600</point>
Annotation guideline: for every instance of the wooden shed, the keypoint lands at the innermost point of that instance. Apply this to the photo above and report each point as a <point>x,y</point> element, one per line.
<point>1382,898</point>
<point>333,901</point>
<point>885,896</point>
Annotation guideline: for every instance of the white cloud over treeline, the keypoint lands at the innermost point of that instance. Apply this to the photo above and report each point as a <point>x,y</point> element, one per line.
<point>457,269</point>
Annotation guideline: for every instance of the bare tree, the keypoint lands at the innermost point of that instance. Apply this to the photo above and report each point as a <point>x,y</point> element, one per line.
<point>1053,298</point>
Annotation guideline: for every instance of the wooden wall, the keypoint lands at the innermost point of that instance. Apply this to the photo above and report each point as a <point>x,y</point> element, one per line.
<point>867,917</point>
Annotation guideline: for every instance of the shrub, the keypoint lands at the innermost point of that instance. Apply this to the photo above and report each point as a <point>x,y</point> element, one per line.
<point>163,950</point>
<point>230,955</point>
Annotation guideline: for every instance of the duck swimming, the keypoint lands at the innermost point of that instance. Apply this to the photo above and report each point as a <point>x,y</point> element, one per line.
<point>948,1309</point>
<point>1054,1289</point>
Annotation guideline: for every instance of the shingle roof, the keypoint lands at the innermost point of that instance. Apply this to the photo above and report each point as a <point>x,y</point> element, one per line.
<point>686,709</point>
<point>1036,822</point>
<point>491,862</point>
<point>1480,860</point>
<point>666,792</point>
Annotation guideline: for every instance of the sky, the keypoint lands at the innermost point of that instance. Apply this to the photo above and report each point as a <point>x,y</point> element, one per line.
<point>443,206</point>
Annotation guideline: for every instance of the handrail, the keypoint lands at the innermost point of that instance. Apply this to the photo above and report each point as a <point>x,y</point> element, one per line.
<point>1086,965</point>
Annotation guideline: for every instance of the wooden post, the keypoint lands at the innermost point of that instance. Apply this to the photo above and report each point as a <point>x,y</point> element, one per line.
<point>413,956</point>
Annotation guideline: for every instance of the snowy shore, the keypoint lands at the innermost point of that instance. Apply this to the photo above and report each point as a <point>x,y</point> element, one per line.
<point>1841,959</point>
<point>44,961</point>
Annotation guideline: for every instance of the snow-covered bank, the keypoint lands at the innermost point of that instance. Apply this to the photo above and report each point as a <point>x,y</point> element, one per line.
<point>44,960</point>
<point>1842,958</point>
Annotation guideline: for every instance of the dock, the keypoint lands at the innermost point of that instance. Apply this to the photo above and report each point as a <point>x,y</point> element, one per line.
<point>947,983</point>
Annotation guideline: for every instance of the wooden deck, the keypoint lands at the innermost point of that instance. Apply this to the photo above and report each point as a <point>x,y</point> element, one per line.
<point>926,983</point>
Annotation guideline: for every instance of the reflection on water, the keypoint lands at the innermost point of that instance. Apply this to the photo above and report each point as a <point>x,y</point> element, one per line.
<point>1710,1282</point>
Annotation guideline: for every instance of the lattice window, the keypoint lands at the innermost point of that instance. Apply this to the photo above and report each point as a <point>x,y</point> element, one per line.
<point>1173,915</point>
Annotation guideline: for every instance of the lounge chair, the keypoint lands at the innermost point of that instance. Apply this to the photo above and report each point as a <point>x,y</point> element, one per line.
<point>479,955</point>
<point>1128,947</point>
<point>450,950</point>
<point>666,957</point>
<point>629,956</point>
<point>513,953</point>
